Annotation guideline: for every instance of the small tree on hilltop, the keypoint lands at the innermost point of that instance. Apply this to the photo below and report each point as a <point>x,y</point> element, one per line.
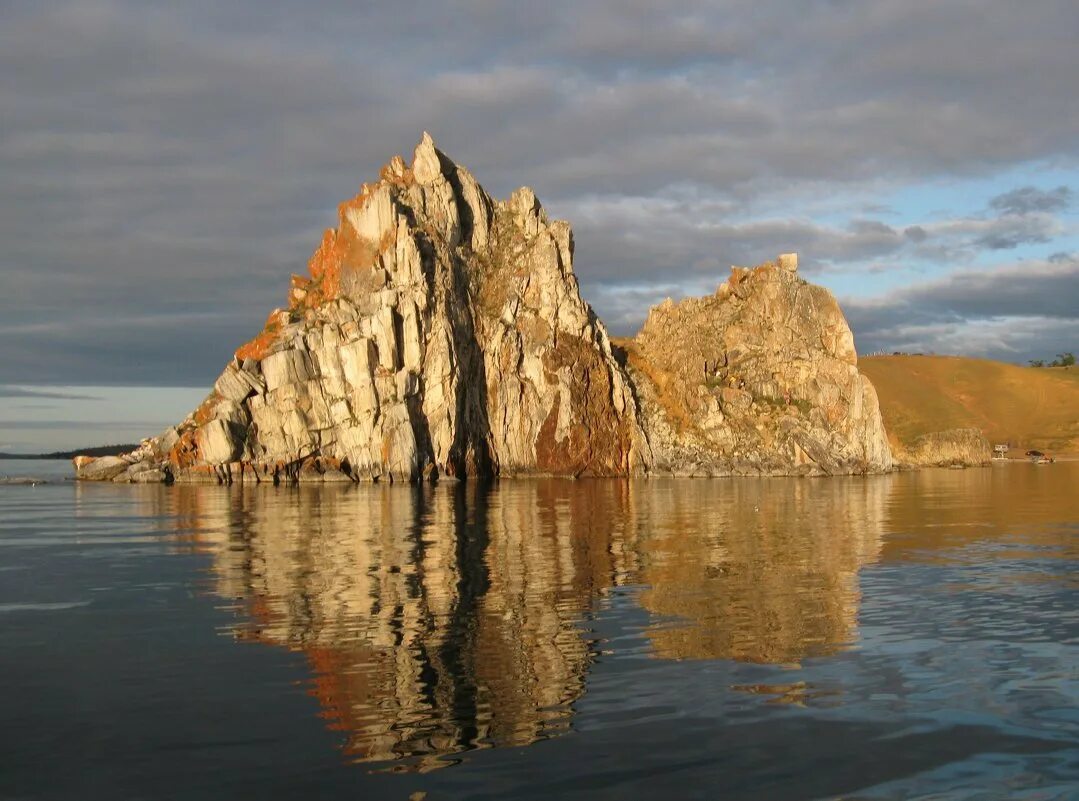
<point>1065,359</point>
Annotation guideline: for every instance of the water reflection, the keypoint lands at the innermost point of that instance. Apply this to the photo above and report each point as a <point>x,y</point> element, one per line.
<point>887,637</point>
<point>1016,509</point>
<point>440,619</point>
<point>759,571</point>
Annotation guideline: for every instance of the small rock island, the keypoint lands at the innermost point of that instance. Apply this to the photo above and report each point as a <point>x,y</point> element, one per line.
<point>440,333</point>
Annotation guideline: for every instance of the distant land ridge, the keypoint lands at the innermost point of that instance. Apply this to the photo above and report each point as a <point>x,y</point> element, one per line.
<point>1029,407</point>
<point>440,333</point>
<point>100,450</point>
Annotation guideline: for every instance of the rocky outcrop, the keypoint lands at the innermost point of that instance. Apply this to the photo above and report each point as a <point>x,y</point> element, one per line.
<point>957,447</point>
<point>440,333</point>
<point>759,378</point>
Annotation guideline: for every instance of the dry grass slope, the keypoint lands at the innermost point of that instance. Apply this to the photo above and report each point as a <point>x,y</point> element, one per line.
<point>1027,406</point>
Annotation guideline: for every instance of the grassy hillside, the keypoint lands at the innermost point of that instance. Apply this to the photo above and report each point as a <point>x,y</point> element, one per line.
<point>1030,407</point>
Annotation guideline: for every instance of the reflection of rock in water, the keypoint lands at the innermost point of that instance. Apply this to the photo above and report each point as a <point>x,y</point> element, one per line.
<point>438,619</point>
<point>757,570</point>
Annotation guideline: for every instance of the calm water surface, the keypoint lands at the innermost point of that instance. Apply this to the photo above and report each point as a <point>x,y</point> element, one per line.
<point>890,637</point>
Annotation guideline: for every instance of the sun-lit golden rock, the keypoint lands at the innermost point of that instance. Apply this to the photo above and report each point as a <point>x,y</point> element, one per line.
<point>440,333</point>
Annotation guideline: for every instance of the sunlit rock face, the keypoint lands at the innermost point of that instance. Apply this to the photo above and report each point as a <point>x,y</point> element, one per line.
<point>954,447</point>
<point>440,333</point>
<point>759,378</point>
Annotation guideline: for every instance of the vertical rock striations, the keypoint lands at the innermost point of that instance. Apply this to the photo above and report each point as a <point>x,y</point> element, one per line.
<point>438,333</point>
<point>441,333</point>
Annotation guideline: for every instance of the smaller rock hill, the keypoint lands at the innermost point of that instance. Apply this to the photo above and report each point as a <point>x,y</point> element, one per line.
<point>759,378</point>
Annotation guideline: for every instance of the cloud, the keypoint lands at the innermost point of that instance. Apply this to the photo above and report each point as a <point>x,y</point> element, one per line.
<point>1017,339</point>
<point>1002,233</point>
<point>915,233</point>
<point>53,425</point>
<point>161,350</point>
<point>164,167</point>
<point>9,391</point>
<point>1027,199</point>
<point>630,238</point>
<point>1019,311</point>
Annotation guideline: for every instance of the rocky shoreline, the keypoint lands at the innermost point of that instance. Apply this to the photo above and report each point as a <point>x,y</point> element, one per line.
<point>440,334</point>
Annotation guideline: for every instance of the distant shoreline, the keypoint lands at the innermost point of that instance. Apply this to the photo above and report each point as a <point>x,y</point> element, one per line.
<point>100,450</point>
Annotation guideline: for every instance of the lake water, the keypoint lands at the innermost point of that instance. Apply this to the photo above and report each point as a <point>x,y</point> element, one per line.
<point>889,637</point>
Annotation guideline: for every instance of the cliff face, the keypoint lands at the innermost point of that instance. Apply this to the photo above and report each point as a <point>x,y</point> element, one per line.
<point>441,333</point>
<point>955,447</point>
<point>760,377</point>
<point>438,333</point>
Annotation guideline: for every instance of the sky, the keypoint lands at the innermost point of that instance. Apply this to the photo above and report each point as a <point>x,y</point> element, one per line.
<point>164,167</point>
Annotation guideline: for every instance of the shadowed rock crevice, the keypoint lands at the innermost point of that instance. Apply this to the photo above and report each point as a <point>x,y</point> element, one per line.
<point>441,334</point>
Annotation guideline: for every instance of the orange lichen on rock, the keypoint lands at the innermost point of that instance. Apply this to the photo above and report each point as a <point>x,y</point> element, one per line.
<point>342,252</point>
<point>186,451</point>
<point>353,252</point>
<point>397,172</point>
<point>324,267</point>
<point>259,347</point>
<point>205,412</point>
<point>325,259</point>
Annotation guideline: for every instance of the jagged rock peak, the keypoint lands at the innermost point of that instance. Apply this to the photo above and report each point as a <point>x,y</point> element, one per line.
<point>438,333</point>
<point>426,161</point>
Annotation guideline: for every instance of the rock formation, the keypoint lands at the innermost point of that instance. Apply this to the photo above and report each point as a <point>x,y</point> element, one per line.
<point>760,377</point>
<point>441,333</point>
<point>958,447</point>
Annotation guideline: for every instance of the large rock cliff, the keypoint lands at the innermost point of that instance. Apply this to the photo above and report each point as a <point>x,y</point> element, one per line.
<point>441,333</point>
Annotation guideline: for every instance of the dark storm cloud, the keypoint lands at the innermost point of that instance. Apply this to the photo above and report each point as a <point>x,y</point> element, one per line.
<point>163,167</point>
<point>160,349</point>
<point>632,240</point>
